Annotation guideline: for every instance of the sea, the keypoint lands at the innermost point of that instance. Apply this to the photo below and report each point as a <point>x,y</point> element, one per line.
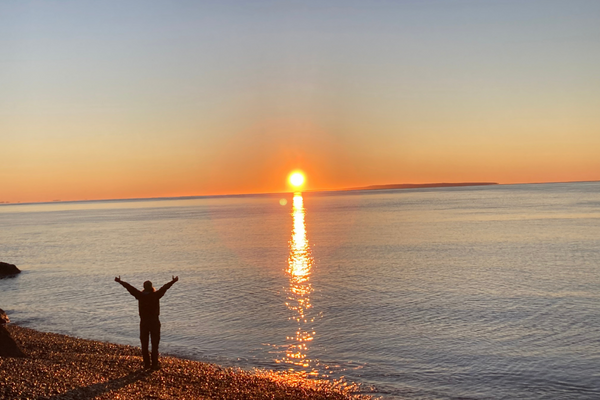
<point>483,292</point>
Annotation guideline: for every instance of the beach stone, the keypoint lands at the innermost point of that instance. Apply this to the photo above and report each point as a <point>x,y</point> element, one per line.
<point>8,347</point>
<point>7,269</point>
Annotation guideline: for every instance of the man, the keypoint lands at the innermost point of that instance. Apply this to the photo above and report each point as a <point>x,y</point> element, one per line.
<point>149,310</point>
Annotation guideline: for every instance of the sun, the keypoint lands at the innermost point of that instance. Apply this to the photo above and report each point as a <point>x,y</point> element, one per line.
<point>296,179</point>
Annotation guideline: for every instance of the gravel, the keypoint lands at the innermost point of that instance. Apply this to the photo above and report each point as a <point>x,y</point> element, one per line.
<point>64,367</point>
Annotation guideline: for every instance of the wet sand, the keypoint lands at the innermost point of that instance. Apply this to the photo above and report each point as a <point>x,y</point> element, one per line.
<point>63,367</point>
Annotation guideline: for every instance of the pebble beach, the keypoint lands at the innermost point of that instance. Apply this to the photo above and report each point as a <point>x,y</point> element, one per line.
<point>63,367</point>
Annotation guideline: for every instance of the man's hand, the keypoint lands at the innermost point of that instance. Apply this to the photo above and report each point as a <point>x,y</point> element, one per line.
<point>175,278</point>
<point>118,279</point>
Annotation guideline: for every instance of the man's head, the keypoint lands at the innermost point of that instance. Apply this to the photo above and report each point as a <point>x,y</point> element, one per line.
<point>148,287</point>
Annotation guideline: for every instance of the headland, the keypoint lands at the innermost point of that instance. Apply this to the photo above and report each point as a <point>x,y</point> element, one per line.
<point>421,185</point>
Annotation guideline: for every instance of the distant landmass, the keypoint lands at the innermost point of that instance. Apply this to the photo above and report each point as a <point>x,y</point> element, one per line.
<point>421,185</point>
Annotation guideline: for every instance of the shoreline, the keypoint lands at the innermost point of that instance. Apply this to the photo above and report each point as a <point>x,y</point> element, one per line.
<point>64,367</point>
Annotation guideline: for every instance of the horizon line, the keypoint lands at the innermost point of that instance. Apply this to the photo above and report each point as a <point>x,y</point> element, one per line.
<point>392,186</point>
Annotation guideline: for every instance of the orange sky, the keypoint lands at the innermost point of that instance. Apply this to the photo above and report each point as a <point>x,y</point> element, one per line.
<point>259,160</point>
<point>99,104</point>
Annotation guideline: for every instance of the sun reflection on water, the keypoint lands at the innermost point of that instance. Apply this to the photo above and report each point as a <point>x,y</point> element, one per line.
<point>300,263</point>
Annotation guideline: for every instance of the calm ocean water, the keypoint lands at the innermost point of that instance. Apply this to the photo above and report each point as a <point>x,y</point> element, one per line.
<point>461,293</point>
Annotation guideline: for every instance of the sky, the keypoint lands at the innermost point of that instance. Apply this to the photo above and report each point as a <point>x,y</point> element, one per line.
<point>128,99</point>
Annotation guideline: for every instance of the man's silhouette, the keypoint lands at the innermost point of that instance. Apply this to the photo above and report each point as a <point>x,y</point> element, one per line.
<point>149,310</point>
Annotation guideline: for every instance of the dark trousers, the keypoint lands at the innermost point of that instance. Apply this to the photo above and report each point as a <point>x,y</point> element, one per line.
<point>150,329</point>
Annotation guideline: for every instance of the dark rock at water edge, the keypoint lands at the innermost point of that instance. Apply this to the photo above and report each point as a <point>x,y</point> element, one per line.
<point>7,269</point>
<point>8,347</point>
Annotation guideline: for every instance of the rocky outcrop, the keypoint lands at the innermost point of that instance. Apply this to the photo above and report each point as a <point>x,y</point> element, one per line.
<point>7,269</point>
<point>8,347</point>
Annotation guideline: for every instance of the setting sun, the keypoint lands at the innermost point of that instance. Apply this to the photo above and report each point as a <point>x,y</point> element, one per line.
<point>296,179</point>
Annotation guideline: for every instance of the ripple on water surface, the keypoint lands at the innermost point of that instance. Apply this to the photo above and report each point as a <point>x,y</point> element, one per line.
<point>487,292</point>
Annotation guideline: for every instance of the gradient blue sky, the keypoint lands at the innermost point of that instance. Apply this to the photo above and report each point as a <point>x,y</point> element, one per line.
<point>114,99</point>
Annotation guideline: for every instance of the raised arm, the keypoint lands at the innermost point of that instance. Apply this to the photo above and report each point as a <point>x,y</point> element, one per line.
<point>161,292</point>
<point>134,292</point>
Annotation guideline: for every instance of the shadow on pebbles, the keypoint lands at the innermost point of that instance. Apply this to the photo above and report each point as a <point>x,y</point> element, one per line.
<point>62,367</point>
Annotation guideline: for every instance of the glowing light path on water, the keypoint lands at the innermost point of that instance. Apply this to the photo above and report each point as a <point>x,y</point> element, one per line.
<point>300,263</point>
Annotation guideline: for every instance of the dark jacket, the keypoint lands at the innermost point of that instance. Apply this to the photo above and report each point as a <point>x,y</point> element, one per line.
<point>148,303</point>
